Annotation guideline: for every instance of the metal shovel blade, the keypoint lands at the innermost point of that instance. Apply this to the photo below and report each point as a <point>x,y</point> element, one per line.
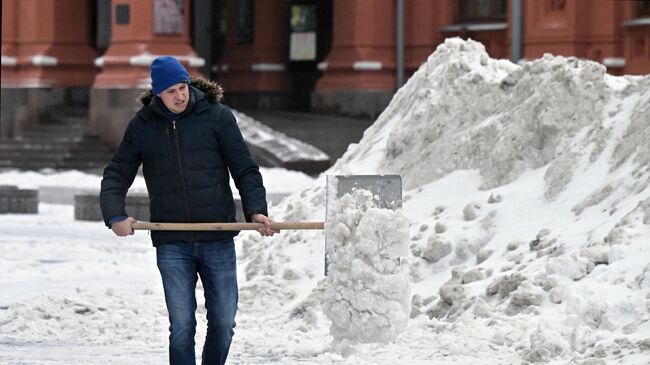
<point>387,190</point>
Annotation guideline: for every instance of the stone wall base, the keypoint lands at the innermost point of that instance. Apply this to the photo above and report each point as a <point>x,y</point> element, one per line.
<point>110,112</point>
<point>23,107</point>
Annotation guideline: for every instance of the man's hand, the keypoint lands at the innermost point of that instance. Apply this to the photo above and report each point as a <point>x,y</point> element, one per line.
<point>266,229</point>
<point>123,228</point>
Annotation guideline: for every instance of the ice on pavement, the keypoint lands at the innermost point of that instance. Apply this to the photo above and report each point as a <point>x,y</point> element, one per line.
<point>528,203</point>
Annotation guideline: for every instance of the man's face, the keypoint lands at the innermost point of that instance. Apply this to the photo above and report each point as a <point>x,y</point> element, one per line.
<point>176,97</point>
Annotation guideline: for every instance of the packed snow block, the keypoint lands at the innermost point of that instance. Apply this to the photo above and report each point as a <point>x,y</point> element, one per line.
<point>469,212</point>
<point>368,292</point>
<point>545,346</point>
<point>451,293</point>
<point>483,255</point>
<point>525,296</point>
<point>386,191</point>
<point>14,200</point>
<point>504,285</point>
<point>437,248</point>
<point>471,276</point>
<point>86,207</point>
<point>574,268</point>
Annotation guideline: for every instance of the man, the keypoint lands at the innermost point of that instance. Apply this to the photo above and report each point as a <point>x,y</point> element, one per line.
<point>188,144</point>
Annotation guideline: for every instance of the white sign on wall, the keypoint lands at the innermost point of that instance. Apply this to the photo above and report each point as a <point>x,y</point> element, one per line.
<point>303,46</point>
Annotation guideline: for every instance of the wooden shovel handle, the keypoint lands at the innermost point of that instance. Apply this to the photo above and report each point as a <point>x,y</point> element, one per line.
<point>152,226</point>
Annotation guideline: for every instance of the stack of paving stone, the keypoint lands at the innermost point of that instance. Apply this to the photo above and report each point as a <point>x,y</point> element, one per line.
<point>14,200</point>
<point>86,207</point>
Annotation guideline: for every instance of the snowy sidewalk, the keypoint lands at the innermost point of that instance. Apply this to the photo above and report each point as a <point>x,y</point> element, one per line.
<point>527,195</point>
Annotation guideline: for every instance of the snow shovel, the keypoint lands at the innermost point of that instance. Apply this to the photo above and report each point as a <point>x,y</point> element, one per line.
<point>387,188</point>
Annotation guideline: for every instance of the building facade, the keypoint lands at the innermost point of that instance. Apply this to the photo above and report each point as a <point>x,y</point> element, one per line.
<point>335,56</point>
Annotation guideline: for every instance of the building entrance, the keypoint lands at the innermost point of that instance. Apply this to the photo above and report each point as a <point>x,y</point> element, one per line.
<point>207,30</point>
<point>310,40</point>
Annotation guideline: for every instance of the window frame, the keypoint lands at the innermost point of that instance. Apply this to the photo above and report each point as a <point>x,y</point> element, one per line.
<point>471,15</point>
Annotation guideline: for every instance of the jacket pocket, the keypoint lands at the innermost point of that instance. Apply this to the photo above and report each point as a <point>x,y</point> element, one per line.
<point>224,206</point>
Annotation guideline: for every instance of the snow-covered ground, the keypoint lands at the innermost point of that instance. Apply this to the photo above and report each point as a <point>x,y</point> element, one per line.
<point>527,193</point>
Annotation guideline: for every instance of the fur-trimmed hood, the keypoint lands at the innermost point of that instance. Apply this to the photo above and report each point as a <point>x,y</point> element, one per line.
<point>213,91</point>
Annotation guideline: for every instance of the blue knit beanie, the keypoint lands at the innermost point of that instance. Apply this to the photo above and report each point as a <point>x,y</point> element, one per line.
<point>166,71</point>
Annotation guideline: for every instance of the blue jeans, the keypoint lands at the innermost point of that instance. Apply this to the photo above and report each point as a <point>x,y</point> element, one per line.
<point>216,263</point>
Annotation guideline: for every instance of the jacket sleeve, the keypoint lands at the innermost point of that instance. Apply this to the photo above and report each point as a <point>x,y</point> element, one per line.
<point>243,168</point>
<point>119,175</point>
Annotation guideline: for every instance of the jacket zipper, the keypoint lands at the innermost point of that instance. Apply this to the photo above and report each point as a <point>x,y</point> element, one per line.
<point>180,167</point>
<point>169,145</point>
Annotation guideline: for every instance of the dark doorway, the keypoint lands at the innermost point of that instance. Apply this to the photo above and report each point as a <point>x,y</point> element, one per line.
<point>207,32</point>
<point>310,40</point>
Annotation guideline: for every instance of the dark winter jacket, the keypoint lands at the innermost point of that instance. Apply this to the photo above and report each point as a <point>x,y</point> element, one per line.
<point>187,164</point>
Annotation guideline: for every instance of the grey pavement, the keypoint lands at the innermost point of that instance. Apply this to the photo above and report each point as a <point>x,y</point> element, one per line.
<point>330,133</point>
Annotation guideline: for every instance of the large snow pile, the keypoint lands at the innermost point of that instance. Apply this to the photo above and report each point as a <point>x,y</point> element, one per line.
<point>527,193</point>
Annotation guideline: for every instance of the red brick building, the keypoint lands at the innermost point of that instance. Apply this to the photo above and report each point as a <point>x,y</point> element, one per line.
<point>341,56</point>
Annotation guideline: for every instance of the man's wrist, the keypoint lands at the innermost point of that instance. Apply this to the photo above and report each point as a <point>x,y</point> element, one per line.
<point>116,219</point>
